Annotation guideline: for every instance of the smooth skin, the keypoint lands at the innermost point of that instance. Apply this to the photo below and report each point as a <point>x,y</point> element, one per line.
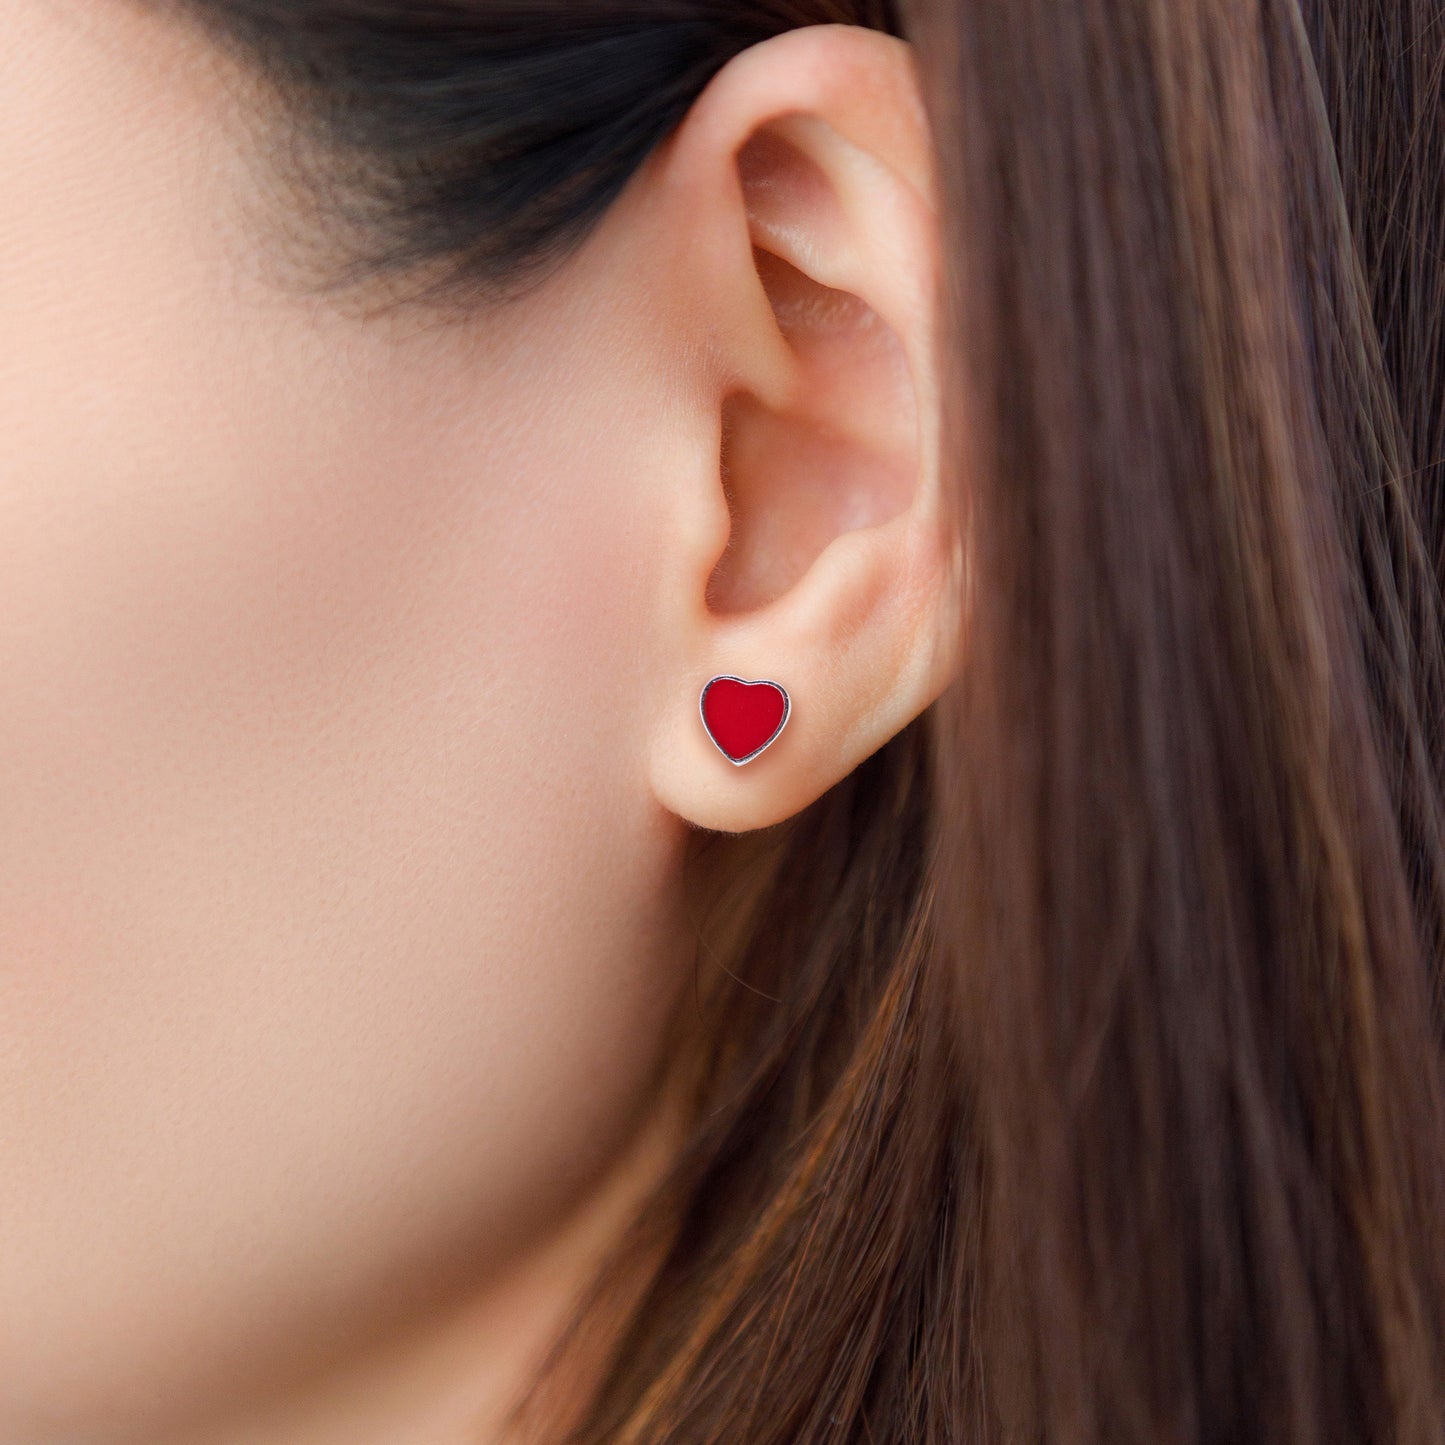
<point>349,743</point>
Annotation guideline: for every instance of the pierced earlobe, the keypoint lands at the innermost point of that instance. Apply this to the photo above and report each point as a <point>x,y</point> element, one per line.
<point>743,718</point>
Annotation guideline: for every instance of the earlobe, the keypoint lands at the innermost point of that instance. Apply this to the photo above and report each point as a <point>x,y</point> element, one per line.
<point>816,624</point>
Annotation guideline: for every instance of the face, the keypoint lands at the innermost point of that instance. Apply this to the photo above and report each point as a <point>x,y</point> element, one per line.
<point>338,935</point>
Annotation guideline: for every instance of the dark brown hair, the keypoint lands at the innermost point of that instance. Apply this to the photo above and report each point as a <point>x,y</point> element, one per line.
<point>1082,1079</point>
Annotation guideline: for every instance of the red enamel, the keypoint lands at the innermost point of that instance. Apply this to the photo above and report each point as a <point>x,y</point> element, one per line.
<point>742,717</point>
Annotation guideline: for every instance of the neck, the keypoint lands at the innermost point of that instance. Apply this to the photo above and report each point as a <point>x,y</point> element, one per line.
<point>455,1378</point>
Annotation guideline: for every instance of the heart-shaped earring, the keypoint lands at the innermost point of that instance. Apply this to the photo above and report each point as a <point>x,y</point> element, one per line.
<point>742,718</point>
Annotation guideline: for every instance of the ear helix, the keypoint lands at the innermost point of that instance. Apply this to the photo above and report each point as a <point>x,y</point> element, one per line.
<point>743,718</point>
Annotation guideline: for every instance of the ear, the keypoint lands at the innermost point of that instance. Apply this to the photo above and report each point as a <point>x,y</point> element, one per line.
<point>812,544</point>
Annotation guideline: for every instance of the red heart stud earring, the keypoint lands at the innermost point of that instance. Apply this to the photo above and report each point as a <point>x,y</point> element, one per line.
<point>742,718</point>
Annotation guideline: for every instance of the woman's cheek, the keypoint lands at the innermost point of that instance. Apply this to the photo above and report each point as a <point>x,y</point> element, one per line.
<point>334,916</point>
